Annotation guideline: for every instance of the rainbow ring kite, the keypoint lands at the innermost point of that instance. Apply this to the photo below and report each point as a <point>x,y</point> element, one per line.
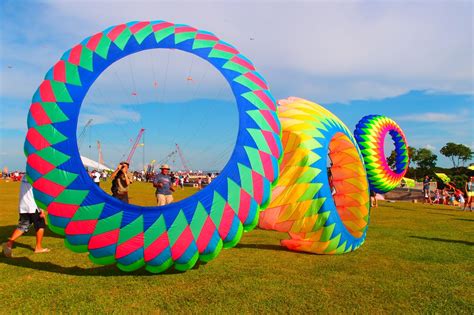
<point>370,134</point>
<point>322,196</point>
<point>158,237</point>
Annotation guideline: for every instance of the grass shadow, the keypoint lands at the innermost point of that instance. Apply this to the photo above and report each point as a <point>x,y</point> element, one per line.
<point>7,230</point>
<point>21,245</point>
<point>451,215</point>
<point>436,239</point>
<point>468,220</point>
<point>263,246</point>
<point>102,271</point>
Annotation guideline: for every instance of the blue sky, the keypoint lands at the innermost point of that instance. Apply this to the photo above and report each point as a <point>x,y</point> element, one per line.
<point>411,61</point>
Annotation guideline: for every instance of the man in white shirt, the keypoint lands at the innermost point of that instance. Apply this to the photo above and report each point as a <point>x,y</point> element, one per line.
<point>29,215</point>
<point>96,177</point>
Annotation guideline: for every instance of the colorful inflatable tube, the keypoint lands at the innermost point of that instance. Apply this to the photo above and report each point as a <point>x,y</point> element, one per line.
<point>322,196</point>
<point>370,134</point>
<point>156,237</point>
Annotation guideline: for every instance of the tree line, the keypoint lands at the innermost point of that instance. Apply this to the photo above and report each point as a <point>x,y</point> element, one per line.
<point>423,162</point>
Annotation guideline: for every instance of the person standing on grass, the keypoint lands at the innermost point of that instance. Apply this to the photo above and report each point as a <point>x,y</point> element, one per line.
<point>373,199</point>
<point>164,186</point>
<point>469,188</point>
<point>96,177</point>
<point>121,179</point>
<point>426,190</point>
<point>29,215</point>
<point>181,182</point>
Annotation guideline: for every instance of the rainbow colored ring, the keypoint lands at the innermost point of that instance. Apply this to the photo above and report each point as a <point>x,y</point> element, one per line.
<point>370,134</point>
<point>322,214</point>
<point>158,237</point>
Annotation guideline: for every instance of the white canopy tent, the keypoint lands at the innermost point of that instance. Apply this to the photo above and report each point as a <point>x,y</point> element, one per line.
<point>94,164</point>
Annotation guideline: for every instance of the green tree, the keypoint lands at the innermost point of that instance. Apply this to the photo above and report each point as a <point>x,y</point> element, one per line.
<point>411,154</point>
<point>424,159</point>
<point>392,160</point>
<point>457,153</point>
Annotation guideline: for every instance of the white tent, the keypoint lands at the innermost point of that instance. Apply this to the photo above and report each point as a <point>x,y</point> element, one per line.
<point>94,164</point>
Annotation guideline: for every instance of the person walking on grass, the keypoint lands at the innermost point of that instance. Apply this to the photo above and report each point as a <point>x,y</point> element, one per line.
<point>164,186</point>
<point>29,215</point>
<point>469,188</point>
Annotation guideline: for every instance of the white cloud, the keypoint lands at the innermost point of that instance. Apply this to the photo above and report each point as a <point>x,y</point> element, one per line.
<point>433,117</point>
<point>106,115</point>
<point>346,50</point>
<point>430,147</point>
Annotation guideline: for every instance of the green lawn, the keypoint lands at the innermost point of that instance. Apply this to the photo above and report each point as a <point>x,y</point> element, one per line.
<point>416,259</point>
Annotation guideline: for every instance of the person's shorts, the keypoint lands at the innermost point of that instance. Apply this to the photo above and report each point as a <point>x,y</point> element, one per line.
<point>164,199</point>
<point>122,197</point>
<point>470,194</point>
<point>28,219</point>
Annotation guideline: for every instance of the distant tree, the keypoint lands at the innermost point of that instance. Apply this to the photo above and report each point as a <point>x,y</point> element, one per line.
<point>425,160</point>
<point>392,160</point>
<point>411,153</point>
<point>457,153</point>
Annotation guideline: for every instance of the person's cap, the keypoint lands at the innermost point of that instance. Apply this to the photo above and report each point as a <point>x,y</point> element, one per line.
<point>125,162</point>
<point>165,166</point>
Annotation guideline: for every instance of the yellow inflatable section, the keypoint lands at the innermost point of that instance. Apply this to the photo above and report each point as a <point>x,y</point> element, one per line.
<point>322,196</point>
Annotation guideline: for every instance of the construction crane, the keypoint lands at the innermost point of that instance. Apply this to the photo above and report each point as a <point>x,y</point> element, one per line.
<point>183,161</point>
<point>99,149</point>
<point>81,136</point>
<point>135,144</point>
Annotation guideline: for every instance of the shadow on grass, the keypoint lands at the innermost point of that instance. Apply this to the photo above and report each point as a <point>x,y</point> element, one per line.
<point>451,215</point>
<point>468,220</point>
<point>263,246</point>
<point>436,239</point>
<point>102,271</point>
<point>7,230</point>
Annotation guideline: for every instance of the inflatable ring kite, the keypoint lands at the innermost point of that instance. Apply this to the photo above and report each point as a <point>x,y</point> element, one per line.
<point>323,203</point>
<point>158,237</point>
<point>370,134</point>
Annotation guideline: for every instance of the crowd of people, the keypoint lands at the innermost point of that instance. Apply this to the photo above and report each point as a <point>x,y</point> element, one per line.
<point>13,176</point>
<point>450,195</point>
<point>165,182</point>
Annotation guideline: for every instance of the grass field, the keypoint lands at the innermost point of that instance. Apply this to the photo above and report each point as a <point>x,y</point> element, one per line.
<point>416,259</point>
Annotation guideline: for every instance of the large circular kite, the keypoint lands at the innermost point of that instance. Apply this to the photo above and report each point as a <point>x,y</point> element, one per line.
<point>322,196</point>
<point>370,134</point>
<point>133,236</point>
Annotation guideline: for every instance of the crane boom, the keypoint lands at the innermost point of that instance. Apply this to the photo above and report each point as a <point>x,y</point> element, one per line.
<point>183,161</point>
<point>80,138</point>
<point>99,149</point>
<point>134,147</point>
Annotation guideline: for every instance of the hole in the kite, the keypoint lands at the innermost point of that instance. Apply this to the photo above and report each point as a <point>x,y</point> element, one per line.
<point>350,184</point>
<point>188,112</point>
<point>389,151</point>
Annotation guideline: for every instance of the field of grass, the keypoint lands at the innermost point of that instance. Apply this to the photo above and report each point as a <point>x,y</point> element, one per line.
<point>416,259</point>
